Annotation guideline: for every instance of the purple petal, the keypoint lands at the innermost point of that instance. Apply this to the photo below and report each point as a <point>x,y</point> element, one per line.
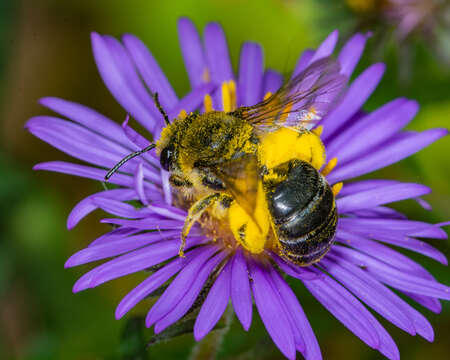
<point>410,243</point>
<point>303,61</point>
<point>119,208</point>
<point>423,326</point>
<point>191,295</point>
<point>394,150</point>
<point>251,69</point>
<point>139,184</point>
<point>140,142</point>
<point>326,48</point>
<point>396,278</point>
<point>433,231</point>
<point>192,50</point>
<point>117,247</point>
<point>424,204</point>
<point>302,273</point>
<point>150,71</point>
<point>166,211</point>
<point>351,53</point>
<point>357,94</point>
<point>50,127</point>
<point>128,69</point>
<point>179,286</point>
<point>167,189</point>
<point>137,139</point>
<point>192,100</point>
<point>298,338</point>
<point>216,51</point>
<point>387,345</point>
<point>271,311</point>
<point>86,117</point>
<point>149,223</point>
<point>131,262</point>
<point>272,81</point>
<point>86,206</point>
<point>390,226</point>
<point>117,82</point>
<point>82,143</point>
<point>357,186</point>
<point>312,351</point>
<point>84,171</point>
<point>379,212</point>
<point>150,284</point>
<point>346,308</point>
<point>353,315</point>
<point>215,304</point>
<point>429,303</point>
<point>113,235</point>
<point>370,291</point>
<point>240,290</point>
<point>382,253</point>
<point>380,196</point>
<point>127,264</point>
<point>372,130</point>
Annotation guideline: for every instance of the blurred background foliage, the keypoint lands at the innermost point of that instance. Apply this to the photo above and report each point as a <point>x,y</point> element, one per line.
<point>45,51</point>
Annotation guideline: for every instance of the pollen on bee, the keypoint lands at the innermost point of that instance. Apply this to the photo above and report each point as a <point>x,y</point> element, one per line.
<point>318,130</point>
<point>329,167</point>
<point>336,188</point>
<point>182,115</point>
<point>207,103</point>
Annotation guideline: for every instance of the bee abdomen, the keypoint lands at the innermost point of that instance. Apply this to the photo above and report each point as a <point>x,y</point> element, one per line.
<point>309,248</point>
<point>304,213</point>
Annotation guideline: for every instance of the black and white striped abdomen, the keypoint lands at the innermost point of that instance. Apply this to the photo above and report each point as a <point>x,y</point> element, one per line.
<point>304,213</point>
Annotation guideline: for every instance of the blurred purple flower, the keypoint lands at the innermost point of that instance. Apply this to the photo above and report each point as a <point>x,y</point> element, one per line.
<point>359,269</point>
<point>411,15</point>
<point>407,16</point>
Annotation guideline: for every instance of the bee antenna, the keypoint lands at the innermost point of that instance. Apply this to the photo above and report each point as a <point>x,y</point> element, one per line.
<point>127,158</point>
<point>160,108</point>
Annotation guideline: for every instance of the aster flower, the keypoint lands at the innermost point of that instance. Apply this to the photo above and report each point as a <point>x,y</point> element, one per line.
<point>359,270</point>
<point>408,19</point>
<point>407,15</point>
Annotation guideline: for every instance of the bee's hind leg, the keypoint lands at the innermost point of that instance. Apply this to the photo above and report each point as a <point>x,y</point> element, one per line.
<point>195,211</point>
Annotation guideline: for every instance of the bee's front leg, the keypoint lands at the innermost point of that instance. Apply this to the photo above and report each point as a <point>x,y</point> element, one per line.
<point>195,211</point>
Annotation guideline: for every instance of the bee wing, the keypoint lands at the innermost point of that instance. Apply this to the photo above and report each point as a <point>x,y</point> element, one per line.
<point>241,177</point>
<point>303,100</point>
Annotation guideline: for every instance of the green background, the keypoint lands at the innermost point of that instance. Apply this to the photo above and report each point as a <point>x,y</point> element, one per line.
<point>45,51</point>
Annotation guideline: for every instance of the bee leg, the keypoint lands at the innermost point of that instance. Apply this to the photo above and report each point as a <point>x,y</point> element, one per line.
<point>195,211</point>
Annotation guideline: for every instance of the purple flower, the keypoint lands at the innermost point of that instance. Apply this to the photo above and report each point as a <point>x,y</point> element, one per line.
<point>407,16</point>
<point>358,272</point>
<point>413,15</point>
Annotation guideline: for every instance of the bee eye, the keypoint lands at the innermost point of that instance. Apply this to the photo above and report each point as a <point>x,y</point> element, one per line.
<point>166,158</point>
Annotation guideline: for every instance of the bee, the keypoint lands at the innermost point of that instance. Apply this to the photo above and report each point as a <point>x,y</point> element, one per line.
<point>257,168</point>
